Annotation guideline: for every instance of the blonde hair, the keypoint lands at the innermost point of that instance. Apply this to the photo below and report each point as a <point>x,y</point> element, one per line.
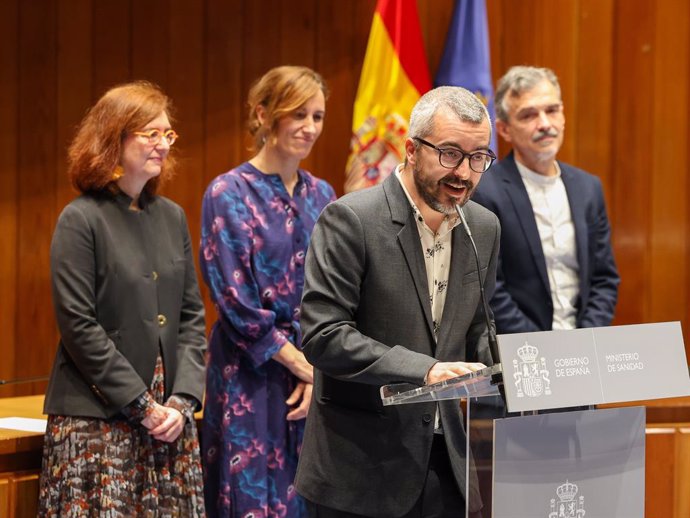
<point>281,91</point>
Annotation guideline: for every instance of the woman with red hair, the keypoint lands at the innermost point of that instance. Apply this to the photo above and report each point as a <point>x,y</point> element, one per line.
<point>128,374</point>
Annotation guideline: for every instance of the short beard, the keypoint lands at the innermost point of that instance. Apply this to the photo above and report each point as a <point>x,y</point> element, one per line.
<point>426,189</point>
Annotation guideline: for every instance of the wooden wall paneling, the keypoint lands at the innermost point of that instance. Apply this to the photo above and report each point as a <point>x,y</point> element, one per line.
<point>495,14</point>
<point>298,32</point>
<point>74,85</point>
<point>262,39</point>
<point>659,471</point>
<point>150,41</point>
<point>631,157</point>
<point>225,105</point>
<point>298,41</point>
<point>111,31</point>
<point>4,497</point>
<point>36,331</point>
<point>521,40</point>
<point>592,128</point>
<point>623,65</point>
<point>73,94</point>
<point>186,88</point>
<point>363,16</point>
<point>667,178</point>
<point>518,20</point>
<point>557,39</point>
<point>336,36</point>
<point>9,172</point>
<point>543,33</point>
<point>681,502</point>
<point>24,491</point>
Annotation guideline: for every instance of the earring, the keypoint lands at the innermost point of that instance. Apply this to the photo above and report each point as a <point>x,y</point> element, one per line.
<point>118,173</point>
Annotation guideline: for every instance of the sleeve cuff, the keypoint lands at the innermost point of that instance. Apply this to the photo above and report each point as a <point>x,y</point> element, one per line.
<point>140,408</point>
<point>264,349</point>
<point>184,405</point>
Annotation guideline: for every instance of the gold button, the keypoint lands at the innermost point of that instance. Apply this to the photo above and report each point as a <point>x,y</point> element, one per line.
<point>155,275</point>
<point>162,320</point>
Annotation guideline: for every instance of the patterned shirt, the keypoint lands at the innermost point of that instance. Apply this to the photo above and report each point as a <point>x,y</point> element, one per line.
<point>437,253</point>
<point>437,248</point>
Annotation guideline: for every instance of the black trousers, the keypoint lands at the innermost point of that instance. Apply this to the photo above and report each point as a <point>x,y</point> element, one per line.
<point>440,496</point>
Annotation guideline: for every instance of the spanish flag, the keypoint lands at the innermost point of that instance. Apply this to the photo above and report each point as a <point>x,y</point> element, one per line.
<point>394,76</point>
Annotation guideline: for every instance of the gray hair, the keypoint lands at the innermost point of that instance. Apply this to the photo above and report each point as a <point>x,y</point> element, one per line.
<point>458,100</point>
<point>519,80</point>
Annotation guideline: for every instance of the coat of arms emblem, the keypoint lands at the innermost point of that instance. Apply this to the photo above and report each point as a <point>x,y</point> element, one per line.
<point>569,505</point>
<point>531,375</point>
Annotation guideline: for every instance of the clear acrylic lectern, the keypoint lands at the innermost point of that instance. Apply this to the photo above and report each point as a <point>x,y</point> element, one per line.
<point>570,464</point>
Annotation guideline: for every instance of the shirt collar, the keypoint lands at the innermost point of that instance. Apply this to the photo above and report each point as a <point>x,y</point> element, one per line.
<point>528,174</point>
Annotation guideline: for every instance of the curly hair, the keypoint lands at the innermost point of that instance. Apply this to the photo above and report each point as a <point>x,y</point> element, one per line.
<point>281,91</point>
<point>95,151</point>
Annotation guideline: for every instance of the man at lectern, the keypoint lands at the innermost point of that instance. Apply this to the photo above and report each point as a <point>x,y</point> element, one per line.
<point>556,267</point>
<point>392,295</point>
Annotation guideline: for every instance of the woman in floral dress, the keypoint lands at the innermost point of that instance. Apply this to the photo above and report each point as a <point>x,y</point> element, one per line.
<point>256,225</point>
<point>121,440</point>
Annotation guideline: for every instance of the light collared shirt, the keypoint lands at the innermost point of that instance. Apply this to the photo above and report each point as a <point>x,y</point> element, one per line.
<point>437,255</point>
<point>557,233</point>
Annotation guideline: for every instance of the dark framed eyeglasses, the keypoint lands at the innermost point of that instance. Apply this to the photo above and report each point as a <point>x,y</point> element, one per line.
<point>450,158</point>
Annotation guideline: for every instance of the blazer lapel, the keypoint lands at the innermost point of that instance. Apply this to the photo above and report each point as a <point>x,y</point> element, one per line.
<point>410,244</point>
<point>461,256</point>
<point>517,193</point>
<point>579,217</point>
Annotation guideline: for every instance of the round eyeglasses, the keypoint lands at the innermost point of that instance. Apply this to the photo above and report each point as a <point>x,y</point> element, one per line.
<point>451,158</point>
<point>154,136</point>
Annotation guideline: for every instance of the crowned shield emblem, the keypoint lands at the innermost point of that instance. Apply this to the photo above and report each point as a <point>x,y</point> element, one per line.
<point>568,505</point>
<point>531,375</point>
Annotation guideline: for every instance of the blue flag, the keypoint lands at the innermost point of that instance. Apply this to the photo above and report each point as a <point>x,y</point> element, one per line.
<point>466,59</point>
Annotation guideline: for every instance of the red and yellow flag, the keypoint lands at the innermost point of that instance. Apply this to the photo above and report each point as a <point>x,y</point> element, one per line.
<point>394,76</point>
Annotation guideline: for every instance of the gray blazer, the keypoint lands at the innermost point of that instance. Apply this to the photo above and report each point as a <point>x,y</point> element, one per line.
<point>366,319</point>
<point>124,288</point>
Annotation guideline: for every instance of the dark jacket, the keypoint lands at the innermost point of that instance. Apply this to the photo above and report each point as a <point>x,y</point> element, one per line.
<point>124,290</point>
<point>522,300</point>
<point>366,318</point>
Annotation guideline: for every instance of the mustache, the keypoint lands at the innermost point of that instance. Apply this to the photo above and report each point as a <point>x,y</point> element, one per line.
<point>452,179</point>
<point>551,132</point>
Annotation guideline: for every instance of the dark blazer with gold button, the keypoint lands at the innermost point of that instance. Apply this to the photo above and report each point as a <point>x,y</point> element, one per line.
<point>124,290</point>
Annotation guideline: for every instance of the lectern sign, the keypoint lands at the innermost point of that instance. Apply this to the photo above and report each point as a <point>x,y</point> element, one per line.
<point>581,464</point>
<point>556,369</point>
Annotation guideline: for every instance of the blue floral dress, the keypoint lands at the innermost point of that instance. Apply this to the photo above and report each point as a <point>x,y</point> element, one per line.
<point>254,239</point>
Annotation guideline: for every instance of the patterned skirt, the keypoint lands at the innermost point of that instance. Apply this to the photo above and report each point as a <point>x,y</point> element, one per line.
<point>114,469</point>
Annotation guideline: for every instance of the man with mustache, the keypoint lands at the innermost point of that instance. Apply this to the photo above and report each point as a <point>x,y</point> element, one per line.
<point>556,267</point>
<point>391,294</point>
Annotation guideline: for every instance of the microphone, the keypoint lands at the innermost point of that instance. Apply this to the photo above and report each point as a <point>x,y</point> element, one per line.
<point>17,381</point>
<point>493,341</point>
